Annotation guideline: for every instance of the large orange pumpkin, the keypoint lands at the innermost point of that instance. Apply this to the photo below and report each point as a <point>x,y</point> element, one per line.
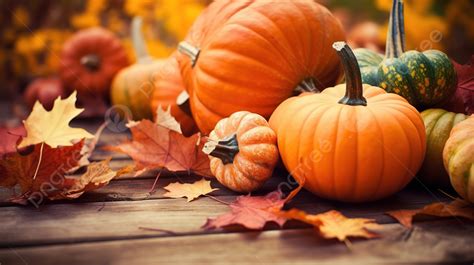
<point>90,59</point>
<point>133,86</point>
<point>252,55</point>
<point>169,91</point>
<point>363,147</point>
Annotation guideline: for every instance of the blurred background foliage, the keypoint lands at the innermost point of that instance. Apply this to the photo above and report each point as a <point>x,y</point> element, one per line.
<point>32,31</point>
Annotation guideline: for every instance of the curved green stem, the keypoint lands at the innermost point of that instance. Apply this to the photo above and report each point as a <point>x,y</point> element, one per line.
<point>354,90</point>
<point>225,149</point>
<point>191,51</point>
<point>395,45</point>
<point>139,45</point>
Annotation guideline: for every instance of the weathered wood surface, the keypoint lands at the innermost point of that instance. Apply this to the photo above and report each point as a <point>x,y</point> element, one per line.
<point>112,226</point>
<point>427,242</point>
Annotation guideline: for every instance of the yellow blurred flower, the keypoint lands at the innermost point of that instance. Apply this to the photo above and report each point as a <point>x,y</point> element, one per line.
<point>21,18</point>
<point>85,20</point>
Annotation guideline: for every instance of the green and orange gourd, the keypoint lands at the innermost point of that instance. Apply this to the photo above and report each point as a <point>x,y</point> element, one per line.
<point>458,157</point>
<point>351,142</point>
<point>438,124</point>
<point>423,78</point>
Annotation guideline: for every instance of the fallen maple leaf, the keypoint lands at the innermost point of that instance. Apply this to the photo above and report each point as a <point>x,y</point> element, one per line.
<point>20,169</point>
<point>154,146</point>
<point>463,99</point>
<point>189,190</point>
<point>252,212</point>
<point>52,127</point>
<point>455,208</point>
<point>333,224</point>
<point>97,175</point>
<point>165,119</point>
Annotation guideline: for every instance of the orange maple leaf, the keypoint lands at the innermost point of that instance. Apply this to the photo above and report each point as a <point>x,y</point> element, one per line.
<point>455,208</point>
<point>9,138</point>
<point>333,224</point>
<point>189,190</point>
<point>252,212</point>
<point>154,146</point>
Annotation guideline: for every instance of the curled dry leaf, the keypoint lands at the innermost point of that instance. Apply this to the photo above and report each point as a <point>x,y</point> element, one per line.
<point>455,208</point>
<point>52,127</point>
<point>165,119</point>
<point>333,224</point>
<point>97,175</point>
<point>252,212</point>
<point>189,190</point>
<point>154,146</point>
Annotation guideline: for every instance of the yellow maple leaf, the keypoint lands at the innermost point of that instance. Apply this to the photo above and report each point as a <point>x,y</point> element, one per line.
<point>333,224</point>
<point>189,190</point>
<point>52,127</point>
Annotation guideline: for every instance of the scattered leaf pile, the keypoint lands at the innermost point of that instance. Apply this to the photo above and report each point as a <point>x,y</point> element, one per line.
<point>48,155</point>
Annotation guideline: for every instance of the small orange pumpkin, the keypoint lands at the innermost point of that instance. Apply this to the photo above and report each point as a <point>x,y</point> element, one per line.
<point>169,91</point>
<point>90,59</point>
<point>363,147</point>
<point>242,151</point>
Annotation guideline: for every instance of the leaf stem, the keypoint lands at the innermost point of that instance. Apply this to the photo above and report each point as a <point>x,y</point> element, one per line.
<point>39,160</point>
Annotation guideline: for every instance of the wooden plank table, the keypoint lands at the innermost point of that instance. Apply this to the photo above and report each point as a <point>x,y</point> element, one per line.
<point>123,224</point>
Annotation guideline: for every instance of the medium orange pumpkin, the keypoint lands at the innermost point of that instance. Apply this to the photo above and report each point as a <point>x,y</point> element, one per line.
<point>363,147</point>
<point>252,55</point>
<point>90,59</point>
<point>242,151</point>
<point>133,86</point>
<point>168,85</point>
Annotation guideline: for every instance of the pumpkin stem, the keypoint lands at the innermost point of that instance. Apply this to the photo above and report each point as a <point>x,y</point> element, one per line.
<point>354,90</point>
<point>307,85</point>
<point>189,50</point>
<point>139,45</point>
<point>395,45</point>
<point>183,102</point>
<point>91,62</point>
<point>225,149</point>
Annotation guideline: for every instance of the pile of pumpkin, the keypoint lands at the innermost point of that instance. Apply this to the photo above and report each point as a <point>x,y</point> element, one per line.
<point>247,61</point>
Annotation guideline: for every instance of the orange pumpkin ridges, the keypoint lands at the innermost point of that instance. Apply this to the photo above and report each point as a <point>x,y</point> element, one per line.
<point>252,55</point>
<point>89,61</point>
<point>352,142</point>
<point>242,151</point>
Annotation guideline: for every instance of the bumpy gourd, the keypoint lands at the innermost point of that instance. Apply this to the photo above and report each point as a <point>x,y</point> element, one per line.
<point>423,78</point>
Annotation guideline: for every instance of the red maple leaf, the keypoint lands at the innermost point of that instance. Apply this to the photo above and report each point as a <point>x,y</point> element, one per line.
<point>154,146</point>
<point>463,99</point>
<point>252,212</point>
